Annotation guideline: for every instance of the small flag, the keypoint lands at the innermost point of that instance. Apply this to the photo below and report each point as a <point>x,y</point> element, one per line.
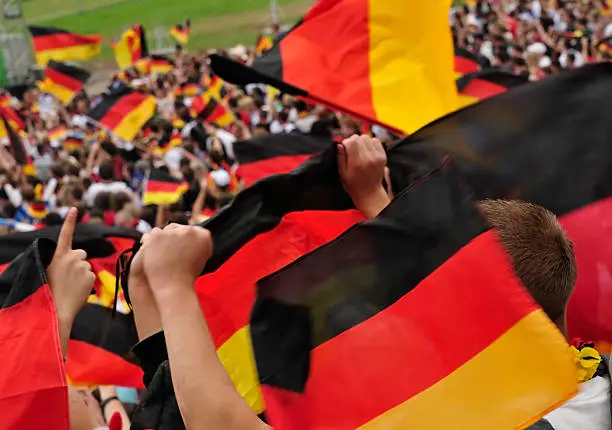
<point>63,81</point>
<point>58,133</point>
<point>16,147</point>
<point>13,119</point>
<point>124,112</point>
<point>131,47</point>
<point>189,90</point>
<point>481,85</point>
<point>264,43</point>
<point>380,78</point>
<point>163,189</point>
<point>180,32</point>
<point>5,100</point>
<point>73,143</point>
<point>216,86</point>
<point>52,43</point>
<point>208,109</point>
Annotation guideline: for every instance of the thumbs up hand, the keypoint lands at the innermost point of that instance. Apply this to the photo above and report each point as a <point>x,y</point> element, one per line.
<point>69,274</point>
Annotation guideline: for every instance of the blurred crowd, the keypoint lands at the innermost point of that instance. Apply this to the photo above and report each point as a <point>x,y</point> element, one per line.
<point>534,38</point>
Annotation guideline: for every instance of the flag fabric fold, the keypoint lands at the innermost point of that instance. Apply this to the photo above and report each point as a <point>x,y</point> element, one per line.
<point>34,377</point>
<point>483,84</point>
<point>362,57</point>
<point>63,81</point>
<point>52,43</point>
<point>359,333</point>
<point>209,109</point>
<point>124,112</point>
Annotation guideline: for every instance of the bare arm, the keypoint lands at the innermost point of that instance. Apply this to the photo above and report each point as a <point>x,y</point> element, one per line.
<point>204,391</point>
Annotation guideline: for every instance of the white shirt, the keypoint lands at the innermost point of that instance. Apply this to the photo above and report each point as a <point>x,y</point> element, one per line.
<point>277,128</point>
<point>108,187</point>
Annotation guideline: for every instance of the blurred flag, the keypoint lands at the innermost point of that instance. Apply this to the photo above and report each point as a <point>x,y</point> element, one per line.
<point>73,143</point>
<point>155,64</point>
<point>180,32</point>
<point>16,147</point>
<point>381,307</point>
<point>481,85</point>
<point>58,133</point>
<point>63,81</point>
<point>34,371</point>
<point>189,89</point>
<point>124,112</point>
<point>99,344</point>
<point>162,189</point>
<point>264,43</point>
<point>13,119</point>
<point>5,100</point>
<point>216,86</point>
<point>208,109</point>
<point>131,47</point>
<point>52,43</point>
<point>268,155</point>
<point>396,73</point>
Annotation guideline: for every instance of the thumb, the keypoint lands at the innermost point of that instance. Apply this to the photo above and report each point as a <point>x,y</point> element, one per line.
<point>64,241</point>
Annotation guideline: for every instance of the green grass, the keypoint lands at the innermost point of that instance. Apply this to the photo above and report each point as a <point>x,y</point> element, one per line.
<point>212,24</point>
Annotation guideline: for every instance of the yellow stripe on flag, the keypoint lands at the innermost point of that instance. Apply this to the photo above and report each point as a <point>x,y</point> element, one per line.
<point>411,62</point>
<point>502,394</point>
<point>60,92</point>
<point>237,356</point>
<point>74,53</point>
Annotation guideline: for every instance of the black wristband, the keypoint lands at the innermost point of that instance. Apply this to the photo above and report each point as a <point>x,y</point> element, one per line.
<point>105,402</point>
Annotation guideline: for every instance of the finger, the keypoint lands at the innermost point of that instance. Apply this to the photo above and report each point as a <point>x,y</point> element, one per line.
<point>64,241</point>
<point>342,158</point>
<point>80,254</point>
<point>173,226</point>
<point>145,238</point>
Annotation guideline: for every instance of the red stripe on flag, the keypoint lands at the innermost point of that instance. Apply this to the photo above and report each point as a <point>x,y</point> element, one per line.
<point>63,40</point>
<point>64,80</point>
<point>482,89</point>
<point>163,187</point>
<point>117,112</point>
<point>252,172</point>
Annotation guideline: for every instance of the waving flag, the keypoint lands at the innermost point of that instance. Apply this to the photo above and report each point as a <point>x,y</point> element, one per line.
<point>131,47</point>
<point>8,120</point>
<point>124,112</point>
<point>180,32</point>
<point>381,307</point>
<point>52,43</point>
<point>99,344</point>
<point>389,62</point>
<point>207,108</point>
<point>264,43</point>
<point>163,189</point>
<point>63,81</point>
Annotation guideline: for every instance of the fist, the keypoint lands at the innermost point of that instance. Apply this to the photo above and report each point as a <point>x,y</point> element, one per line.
<point>174,257</point>
<point>69,274</point>
<point>361,165</point>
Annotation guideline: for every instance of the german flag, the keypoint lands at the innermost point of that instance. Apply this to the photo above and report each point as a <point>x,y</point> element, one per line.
<point>34,372</point>
<point>51,43</point>
<point>163,189</point>
<point>481,85</point>
<point>58,133</point>
<point>264,156</point>
<point>5,100</point>
<point>190,89</point>
<point>208,109</point>
<point>375,307</point>
<point>63,81</point>
<point>124,112</point>
<point>216,86</point>
<point>16,148</point>
<point>369,80</point>
<point>73,143</point>
<point>13,119</point>
<point>466,62</point>
<point>264,43</point>
<point>37,210</point>
<point>549,135</point>
<point>180,32</point>
<point>98,351</point>
<point>131,47</point>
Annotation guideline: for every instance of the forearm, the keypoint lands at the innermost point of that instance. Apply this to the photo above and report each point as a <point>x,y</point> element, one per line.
<point>205,393</point>
<point>373,204</point>
<point>64,325</point>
